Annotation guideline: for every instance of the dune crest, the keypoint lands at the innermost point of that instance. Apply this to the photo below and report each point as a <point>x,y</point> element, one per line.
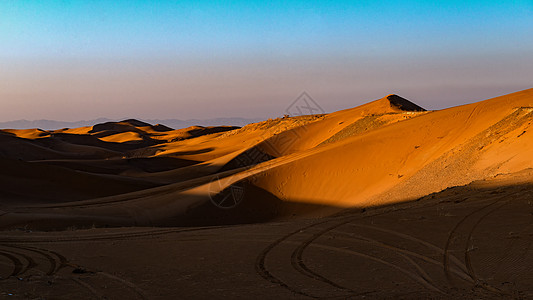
<point>402,104</point>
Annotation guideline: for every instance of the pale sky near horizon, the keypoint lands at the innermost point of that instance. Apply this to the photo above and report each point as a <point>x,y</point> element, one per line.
<point>74,60</point>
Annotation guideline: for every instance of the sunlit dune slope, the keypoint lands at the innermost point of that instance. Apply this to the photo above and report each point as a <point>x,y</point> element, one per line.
<point>337,125</point>
<point>411,158</point>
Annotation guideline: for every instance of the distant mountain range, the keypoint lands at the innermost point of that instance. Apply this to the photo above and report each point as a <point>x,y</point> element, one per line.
<point>173,123</point>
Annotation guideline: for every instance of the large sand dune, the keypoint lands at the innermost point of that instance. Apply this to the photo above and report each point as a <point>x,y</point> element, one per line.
<point>381,200</point>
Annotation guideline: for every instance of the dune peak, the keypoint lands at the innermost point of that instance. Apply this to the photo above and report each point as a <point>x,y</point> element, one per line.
<point>134,122</point>
<point>399,103</point>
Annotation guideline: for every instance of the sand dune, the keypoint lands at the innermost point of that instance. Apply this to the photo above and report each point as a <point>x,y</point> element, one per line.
<point>424,154</point>
<point>386,151</point>
<point>389,156</point>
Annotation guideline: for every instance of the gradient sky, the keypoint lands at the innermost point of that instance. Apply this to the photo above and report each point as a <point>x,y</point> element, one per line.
<point>73,60</point>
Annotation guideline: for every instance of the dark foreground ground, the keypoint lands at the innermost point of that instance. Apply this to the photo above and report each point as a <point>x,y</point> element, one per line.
<point>465,242</point>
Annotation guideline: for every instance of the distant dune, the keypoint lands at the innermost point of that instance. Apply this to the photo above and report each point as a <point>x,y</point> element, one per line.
<point>174,123</point>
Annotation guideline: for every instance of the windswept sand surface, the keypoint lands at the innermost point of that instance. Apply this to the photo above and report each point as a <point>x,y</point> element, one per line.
<point>378,201</point>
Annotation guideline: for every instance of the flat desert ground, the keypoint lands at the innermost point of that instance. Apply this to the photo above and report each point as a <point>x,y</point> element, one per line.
<point>384,200</point>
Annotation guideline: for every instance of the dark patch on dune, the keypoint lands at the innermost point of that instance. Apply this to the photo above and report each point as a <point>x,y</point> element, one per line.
<point>56,140</point>
<point>403,104</point>
<point>161,128</point>
<point>117,127</point>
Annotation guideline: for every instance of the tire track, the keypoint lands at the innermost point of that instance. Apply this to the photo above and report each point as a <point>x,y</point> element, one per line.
<point>297,256</point>
<point>261,258</point>
<point>335,249</point>
<point>267,275</point>
<point>110,236</point>
<point>300,267</point>
<point>51,261</point>
<point>17,264</point>
<point>413,276</point>
<point>129,284</point>
<point>467,251</point>
<point>89,287</point>
<point>446,255</point>
<point>30,263</point>
<point>406,253</point>
<point>331,248</point>
<point>458,263</point>
<point>96,278</point>
<point>63,262</point>
<point>454,231</point>
<point>400,252</point>
<point>299,264</point>
<point>56,262</point>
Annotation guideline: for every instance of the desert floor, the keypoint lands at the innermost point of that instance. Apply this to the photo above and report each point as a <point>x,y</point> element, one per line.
<point>466,242</point>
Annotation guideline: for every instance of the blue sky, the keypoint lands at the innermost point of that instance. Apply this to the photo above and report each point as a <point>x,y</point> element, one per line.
<point>200,59</point>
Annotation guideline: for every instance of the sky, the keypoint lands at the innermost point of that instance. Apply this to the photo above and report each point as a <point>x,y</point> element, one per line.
<point>79,60</point>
